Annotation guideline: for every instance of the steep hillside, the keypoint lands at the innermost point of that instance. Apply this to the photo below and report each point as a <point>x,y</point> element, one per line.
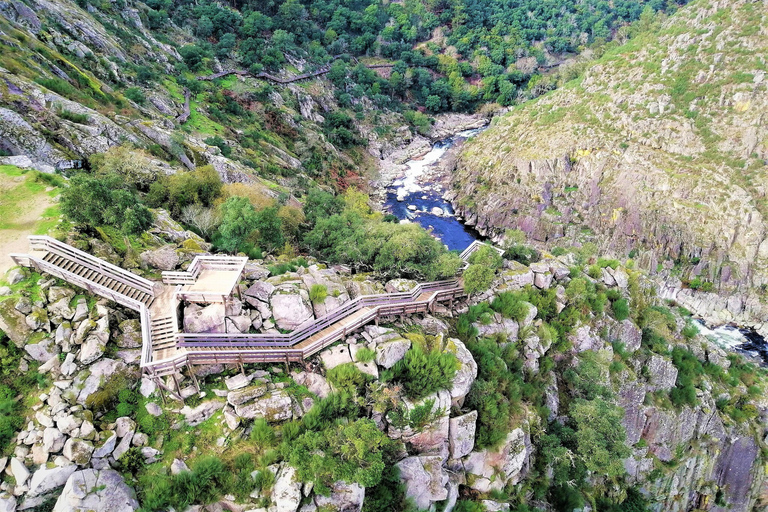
<point>657,151</point>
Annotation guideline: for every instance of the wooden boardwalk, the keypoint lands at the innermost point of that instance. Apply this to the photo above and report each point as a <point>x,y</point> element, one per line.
<point>166,349</point>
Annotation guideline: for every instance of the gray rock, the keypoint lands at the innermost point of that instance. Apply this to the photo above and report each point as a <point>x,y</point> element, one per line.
<point>583,339</point>
<point>45,480</point>
<point>37,320</point>
<point>165,258</point>
<point>13,323</point>
<point>493,469</point>
<point>153,409</point>
<point>19,471</point>
<point>290,307</point>
<point>462,434</point>
<point>249,394</point>
<point>314,382</point>
<point>178,466</point>
<point>425,480</point>
<point>335,356</point>
<point>400,285</point>
<point>53,440</point>
<point>237,381</point>
<point>23,305</point>
<point>286,493</point>
<point>627,333</point>
<point>107,447</point>
<point>122,447</point>
<point>56,293</point>
<point>275,406</point>
<point>208,319</point>
<point>344,497</point>
<point>92,489</point>
<point>663,373</point>
<point>61,309</point>
<point>260,290</point>
<point>15,276</point>
<point>390,352</point>
<point>7,502</point>
<point>5,291</point>
<point>201,413</point>
<point>42,351</point>
<point>147,387</point>
<point>124,426</point>
<point>467,372</point>
<point>433,326</point>
<point>498,326</point>
<point>429,439</point>
<point>240,323</point>
<point>78,451</point>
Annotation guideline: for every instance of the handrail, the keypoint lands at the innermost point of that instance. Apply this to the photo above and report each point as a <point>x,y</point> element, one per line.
<point>92,262</point>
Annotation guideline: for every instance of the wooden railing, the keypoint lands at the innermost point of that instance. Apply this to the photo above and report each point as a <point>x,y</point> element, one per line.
<point>200,263</point>
<point>474,246</point>
<point>48,244</point>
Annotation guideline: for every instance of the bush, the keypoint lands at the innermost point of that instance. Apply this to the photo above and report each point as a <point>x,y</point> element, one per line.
<point>620,309</point>
<point>486,256</point>
<point>478,278</point>
<point>422,372</point>
<point>208,480</point>
<point>93,201</point>
<point>690,330</point>
<point>347,378</point>
<point>523,254</point>
<point>72,116</point>
<point>510,305</point>
<point>219,143</point>
<point>365,355</point>
<point>262,433</point>
<point>136,95</point>
<point>59,86</point>
<point>318,293</point>
<point>351,452</point>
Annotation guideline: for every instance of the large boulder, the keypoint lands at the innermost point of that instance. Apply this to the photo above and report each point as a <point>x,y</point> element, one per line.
<point>583,339</point>
<point>627,333</point>
<point>498,326</point>
<point>89,381</point>
<point>314,382</point>
<point>461,435</point>
<point>290,307</point>
<point>335,356</point>
<point>260,290</point>
<point>425,480</point>
<point>273,407</point>
<point>344,497</point>
<point>336,292</point>
<point>430,438</point>
<point>43,350</point>
<point>92,489</point>
<point>47,479</point>
<point>493,469</point>
<point>204,319</point>
<point>392,351</point>
<point>286,493</point>
<point>93,348</point>
<point>400,285</point>
<point>165,258</point>
<point>13,323</point>
<point>78,451</point>
<point>467,372</point>
<point>197,415</point>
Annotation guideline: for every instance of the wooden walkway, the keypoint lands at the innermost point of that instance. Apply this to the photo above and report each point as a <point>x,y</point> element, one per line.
<point>166,349</point>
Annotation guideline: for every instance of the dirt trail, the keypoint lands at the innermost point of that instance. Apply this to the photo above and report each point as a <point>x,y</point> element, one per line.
<point>14,240</point>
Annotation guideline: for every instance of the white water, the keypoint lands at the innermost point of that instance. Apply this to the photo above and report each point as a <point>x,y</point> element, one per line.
<point>409,183</point>
<point>725,336</point>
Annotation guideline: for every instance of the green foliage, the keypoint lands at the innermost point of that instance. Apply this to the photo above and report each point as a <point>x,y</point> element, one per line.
<point>208,480</point>
<point>347,378</point>
<point>689,372</point>
<point>478,278</point>
<point>486,256</point>
<point>468,506</point>
<point>219,143</point>
<point>136,95</point>
<point>352,452</point>
<point>690,330</point>
<point>262,433</point>
<point>620,309</point>
<point>511,305</point>
<point>109,393</point>
<point>318,293</point>
<point>365,355</point>
<point>238,222</point>
<point>523,254</point>
<point>600,436</point>
<point>72,116</point>
<point>106,200</point>
<point>199,187</point>
<point>423,372</point>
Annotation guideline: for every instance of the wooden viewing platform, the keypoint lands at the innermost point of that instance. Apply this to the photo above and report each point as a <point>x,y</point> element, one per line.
<point>166,350</point>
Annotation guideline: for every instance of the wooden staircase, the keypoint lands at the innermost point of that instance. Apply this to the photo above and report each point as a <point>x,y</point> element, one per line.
<point>100,277</point>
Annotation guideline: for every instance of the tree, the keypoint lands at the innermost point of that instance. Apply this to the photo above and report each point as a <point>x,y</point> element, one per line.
<point>127,161</point>
<point>238,221</point>
<point>104,200</point>
<point>193,56</point>
<point>204,27</point>
<point>270,227</point>
<point>205,220</point>
<point>422,372</point>
<point>477,278</point>
<point>600,436</point>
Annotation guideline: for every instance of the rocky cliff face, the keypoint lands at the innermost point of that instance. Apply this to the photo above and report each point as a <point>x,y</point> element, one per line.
<point>659,148</point>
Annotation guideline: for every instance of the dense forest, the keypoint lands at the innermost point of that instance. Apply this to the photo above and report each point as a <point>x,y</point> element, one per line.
<point>444,55</point>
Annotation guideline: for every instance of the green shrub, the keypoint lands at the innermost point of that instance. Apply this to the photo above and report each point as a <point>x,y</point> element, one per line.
<point>72,116</point>
<point>262,433</point>
<point>510,305</point>
<point>690,330</point>
<point>365,355</point>
<point>487,256</point>
<point>59,86</point>
<point>477,278</point>
<point>352,452</point>
<point>524,254</point>
<point>219,143</point>
<point>136,95</point>
<point>108,394</point>
<point>620,309</point>
<point>208,480</point>
<point>594,272</point>
<point>423,372</point>
<point>347,378</point>
<point>318,293</point>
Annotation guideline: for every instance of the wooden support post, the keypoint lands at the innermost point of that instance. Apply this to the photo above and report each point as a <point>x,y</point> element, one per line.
<point>240,363</point>
<point>191,370</point>
<point>176,381</point>
<point>287,366</point>
<point>376,320</point>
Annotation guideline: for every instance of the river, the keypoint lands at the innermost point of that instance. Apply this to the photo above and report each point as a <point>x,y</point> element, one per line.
<point>417,196</point>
